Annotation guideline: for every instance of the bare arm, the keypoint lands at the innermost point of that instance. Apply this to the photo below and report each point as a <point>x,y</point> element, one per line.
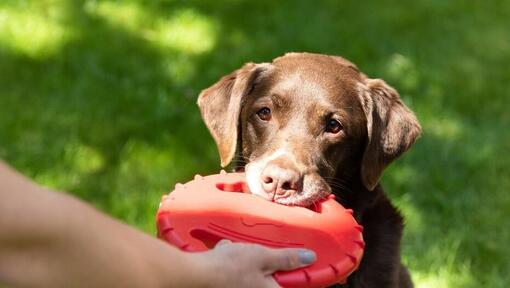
<point>50,239</point>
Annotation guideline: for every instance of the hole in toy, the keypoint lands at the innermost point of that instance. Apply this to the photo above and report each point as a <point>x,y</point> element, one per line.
<point>209,239</point>
<point>239,187</point>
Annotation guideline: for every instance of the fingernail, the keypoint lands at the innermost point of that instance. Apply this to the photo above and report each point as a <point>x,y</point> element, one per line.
<point>307,256</point>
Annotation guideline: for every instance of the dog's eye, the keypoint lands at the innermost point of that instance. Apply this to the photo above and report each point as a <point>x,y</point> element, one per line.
<point>333,126</point>
<point>264,114</point>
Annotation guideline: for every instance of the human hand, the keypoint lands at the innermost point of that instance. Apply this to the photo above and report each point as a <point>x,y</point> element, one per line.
<point>249,265</point>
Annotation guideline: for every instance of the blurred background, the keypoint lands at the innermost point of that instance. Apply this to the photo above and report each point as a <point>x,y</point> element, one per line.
<point>97,98</point>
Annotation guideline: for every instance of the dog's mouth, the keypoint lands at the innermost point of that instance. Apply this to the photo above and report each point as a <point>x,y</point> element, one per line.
<point>314,189</point>
<point>303,199</point>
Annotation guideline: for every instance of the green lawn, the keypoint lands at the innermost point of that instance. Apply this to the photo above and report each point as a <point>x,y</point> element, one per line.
<point>98,98</point>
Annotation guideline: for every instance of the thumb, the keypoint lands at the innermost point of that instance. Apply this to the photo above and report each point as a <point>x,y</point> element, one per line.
<point>287,259</point>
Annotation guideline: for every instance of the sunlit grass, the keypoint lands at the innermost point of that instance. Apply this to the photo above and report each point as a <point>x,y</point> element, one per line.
<point>444,268</point>
<point>186,30</point>
<point>126,14</point>
<point>179,35</point>
<point>29,32</point>
<point>444,277</point>
<point>183,30</point>
<point>439,250</point>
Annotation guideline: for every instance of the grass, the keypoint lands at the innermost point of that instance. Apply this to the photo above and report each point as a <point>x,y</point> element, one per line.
<point>98,98</point>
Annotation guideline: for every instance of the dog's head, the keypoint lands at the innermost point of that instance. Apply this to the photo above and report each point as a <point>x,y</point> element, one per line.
<point>305,120</point>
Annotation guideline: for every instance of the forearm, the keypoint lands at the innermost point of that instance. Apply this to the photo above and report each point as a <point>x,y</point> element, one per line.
<point>52,239</point>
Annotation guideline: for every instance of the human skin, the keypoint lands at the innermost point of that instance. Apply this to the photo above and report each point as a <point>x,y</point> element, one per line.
<point>51,239</point>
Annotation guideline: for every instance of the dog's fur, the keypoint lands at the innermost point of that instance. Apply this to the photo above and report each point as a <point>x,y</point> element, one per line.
<point>293,157</point>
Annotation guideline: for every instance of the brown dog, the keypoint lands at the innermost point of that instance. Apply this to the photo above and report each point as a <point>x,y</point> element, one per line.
<point>307,125</point>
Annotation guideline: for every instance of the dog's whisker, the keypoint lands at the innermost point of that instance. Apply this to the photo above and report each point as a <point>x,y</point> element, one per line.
<point>336,181</point>
<point>238,157</point>
<point>328,165</point>
<point>338,186</point>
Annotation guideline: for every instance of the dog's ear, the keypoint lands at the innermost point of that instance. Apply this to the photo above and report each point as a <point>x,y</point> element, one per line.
<point>220,106</point>
<point>392,128</point>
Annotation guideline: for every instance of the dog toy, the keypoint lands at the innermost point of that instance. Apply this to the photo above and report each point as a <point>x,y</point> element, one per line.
<point>197,214</point>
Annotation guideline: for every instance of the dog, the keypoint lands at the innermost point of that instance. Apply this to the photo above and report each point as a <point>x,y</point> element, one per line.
<point>308,125</point>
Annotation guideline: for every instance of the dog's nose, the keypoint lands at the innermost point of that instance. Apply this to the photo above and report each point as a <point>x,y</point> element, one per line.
<point>277,180</point>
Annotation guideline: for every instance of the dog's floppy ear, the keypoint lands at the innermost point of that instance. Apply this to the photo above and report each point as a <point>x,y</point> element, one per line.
<point>220,106</point>
<point>392,128</point>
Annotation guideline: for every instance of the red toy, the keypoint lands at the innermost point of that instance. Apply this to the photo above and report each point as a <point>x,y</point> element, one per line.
<point>196,215</point>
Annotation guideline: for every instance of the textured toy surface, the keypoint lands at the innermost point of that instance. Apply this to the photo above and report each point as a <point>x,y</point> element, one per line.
<point>197,214</point>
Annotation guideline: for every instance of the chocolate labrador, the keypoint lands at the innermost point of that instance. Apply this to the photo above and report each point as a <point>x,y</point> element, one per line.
<point>307,125</point>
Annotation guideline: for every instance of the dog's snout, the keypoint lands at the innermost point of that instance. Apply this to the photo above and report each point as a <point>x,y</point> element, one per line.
<point>280,180</point>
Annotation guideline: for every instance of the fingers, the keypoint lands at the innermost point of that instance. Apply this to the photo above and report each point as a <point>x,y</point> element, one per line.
<point>286,259</point>
<point>270,259</point>
<point>255,264</point>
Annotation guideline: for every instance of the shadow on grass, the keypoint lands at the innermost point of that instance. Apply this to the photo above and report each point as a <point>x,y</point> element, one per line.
<point>110,114</point>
